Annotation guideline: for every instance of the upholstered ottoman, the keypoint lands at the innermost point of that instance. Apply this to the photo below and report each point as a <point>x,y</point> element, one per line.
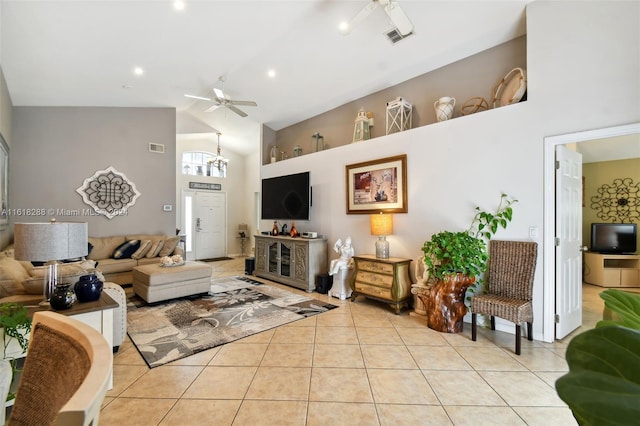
<point>155,283</point>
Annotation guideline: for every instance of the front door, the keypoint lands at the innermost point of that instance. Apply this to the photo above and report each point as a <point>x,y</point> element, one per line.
<point>210,223</point>
<point>568,233</point>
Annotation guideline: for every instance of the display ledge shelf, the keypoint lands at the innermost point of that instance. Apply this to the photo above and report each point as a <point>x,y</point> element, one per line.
<point>456,118</point>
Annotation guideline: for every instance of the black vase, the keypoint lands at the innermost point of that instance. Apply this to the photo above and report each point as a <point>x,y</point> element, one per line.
<point>62,297</point>
<point>88,288</point>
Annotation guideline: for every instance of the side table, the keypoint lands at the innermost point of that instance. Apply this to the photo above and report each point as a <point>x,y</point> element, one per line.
<point>386,280</point>
<point>98,315</point>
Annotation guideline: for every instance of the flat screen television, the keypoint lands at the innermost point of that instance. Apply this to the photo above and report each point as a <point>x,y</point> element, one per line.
<point>286,197</point>
<point>614,238</point>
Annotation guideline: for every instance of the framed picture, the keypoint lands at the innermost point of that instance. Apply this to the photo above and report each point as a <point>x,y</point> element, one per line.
<point>377,186</point>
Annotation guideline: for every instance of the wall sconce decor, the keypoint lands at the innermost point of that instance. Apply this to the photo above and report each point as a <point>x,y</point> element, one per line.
<point>618,201</point>
<point>109,192</point>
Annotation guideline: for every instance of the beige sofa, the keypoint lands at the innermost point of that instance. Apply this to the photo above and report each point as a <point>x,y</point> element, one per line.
<point>119,270</point>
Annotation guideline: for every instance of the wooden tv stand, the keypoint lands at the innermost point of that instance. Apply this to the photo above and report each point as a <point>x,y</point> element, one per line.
<point>612,270</point>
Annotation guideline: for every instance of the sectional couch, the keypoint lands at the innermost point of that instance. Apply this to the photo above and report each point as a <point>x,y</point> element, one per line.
<point>118,269</point>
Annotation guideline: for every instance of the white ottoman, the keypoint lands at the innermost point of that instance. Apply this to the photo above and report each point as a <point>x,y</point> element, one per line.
<point>155,283</point>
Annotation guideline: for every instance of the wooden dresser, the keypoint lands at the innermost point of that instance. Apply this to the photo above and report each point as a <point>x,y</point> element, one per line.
<point>386,280</point>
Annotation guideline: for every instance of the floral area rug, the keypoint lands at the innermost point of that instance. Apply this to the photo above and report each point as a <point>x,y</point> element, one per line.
<point>235,307</point>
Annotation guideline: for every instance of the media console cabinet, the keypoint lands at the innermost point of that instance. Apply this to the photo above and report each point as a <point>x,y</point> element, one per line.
<point>612,270</point>
<point>291,261</point>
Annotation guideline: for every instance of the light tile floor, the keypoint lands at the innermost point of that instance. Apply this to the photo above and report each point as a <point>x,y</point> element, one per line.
<point>359,364</point>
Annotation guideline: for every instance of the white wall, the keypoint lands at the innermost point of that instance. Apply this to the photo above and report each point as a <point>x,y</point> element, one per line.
<point>583,68</point>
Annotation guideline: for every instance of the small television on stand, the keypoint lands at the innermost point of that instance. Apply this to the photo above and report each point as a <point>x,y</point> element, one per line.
<point>614,238</point>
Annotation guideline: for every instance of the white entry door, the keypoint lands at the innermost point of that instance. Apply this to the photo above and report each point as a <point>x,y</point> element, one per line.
<point>568,275</point>
<point>210,225</point>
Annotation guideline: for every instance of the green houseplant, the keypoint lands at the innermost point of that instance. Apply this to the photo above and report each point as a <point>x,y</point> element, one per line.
<point>450,253</point>
<point>602,386</point>
<point>16,326</point>
<point>453,262</point>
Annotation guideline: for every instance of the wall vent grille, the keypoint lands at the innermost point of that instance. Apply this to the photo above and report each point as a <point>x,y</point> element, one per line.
<point>156,147</point>
<point>394,35</point>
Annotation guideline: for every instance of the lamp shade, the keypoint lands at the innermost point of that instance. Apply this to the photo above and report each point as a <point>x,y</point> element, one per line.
<point>381,224</point>
<point>43,242</point>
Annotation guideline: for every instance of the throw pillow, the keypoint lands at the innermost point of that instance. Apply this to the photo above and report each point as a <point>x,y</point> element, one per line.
<point>125,250</point>
<point>169,246</point>
<point>103,247</point>
<point>142,250</point>
<point>155,249</point>
<point>12,273</point>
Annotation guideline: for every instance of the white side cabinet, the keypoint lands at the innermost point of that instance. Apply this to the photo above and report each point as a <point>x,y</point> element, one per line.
<point>291,261</point>
<point>612,270</point>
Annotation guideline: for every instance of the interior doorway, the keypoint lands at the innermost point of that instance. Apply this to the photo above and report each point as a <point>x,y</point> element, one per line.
<point>552,287</point>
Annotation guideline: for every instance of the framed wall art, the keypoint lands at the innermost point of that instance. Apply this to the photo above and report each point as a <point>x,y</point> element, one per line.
<point>377,186</point>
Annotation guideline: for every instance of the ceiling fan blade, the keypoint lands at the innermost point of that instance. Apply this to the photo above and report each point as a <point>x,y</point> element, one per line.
<point>244,103</point>
<point>236,110</point>
<point>202,98</point>
<point>212,108</point>
<point>399,18</point>
<point>360,16</point>
<point>219,93</point>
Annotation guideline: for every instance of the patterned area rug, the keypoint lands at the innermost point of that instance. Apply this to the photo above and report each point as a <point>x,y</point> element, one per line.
<point>236,307</point>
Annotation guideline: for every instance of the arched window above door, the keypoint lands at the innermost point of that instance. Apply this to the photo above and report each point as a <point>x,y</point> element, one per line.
<point>201,163</point>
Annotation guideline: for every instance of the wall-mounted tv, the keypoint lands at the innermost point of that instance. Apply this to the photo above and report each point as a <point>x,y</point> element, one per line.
<point>614,238</point>
<point>286,197</point>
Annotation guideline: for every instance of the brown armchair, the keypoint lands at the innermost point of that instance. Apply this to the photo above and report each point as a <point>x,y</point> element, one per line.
<point>509,292</point>
<point>65,376</point>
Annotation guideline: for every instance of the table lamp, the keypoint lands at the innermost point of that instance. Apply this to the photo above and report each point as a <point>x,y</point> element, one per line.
<point>381,225</point>
<point>50,242</point>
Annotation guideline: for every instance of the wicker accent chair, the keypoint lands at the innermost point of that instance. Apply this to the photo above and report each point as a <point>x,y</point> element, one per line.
<point>512,266</point>
<point>65,376</point>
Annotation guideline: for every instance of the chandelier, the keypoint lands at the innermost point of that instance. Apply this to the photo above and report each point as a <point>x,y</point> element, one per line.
<point>219,161</point>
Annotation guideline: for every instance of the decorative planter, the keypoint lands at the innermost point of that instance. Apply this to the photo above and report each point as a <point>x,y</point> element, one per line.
<point>444,303</point>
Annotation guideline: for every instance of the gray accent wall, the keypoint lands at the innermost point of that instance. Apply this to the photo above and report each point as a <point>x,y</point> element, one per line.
<point>55,148</point>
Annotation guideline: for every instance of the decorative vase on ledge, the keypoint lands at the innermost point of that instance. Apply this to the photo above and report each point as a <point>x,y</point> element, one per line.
<point>444,108</point>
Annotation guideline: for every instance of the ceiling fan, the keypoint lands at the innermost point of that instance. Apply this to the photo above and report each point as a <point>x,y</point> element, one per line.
<point>402,25</point>
<point>220,99</point>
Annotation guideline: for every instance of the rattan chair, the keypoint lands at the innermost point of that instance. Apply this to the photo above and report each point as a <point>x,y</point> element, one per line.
<point>509,292</point>
<point>65,376</point>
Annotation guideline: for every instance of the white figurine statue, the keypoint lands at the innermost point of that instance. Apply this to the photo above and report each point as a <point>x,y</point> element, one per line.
<point>345,260</point>
<point>340,269</point>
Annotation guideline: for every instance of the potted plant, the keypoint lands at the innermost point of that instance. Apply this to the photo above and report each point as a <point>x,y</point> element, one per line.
<point>454,260</point>
<point>603,382</point>
<point>16,326</point>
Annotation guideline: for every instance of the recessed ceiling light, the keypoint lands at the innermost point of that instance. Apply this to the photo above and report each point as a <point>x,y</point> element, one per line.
<point>138,71</point>
<point>343,27</point>
<point>271,73</point>
<point>178,5</point>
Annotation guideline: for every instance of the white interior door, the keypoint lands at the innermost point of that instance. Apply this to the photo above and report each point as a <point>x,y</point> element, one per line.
<point>568,241</point>
<point>210,225</point>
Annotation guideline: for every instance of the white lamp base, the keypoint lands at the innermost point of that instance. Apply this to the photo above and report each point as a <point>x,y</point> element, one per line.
<point>382,247</point>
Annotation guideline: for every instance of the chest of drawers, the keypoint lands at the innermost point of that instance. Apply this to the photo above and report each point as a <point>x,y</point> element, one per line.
<point>386,280</point>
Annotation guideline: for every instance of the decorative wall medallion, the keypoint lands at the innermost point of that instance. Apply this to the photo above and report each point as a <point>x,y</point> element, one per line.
<point>109,192</point>
<point>618,202</point>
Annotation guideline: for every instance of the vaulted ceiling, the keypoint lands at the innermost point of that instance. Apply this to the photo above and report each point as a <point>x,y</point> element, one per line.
<point>82,53</point>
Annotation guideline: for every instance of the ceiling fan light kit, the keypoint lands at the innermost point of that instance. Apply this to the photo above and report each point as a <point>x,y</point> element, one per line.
<point>220,99</point>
